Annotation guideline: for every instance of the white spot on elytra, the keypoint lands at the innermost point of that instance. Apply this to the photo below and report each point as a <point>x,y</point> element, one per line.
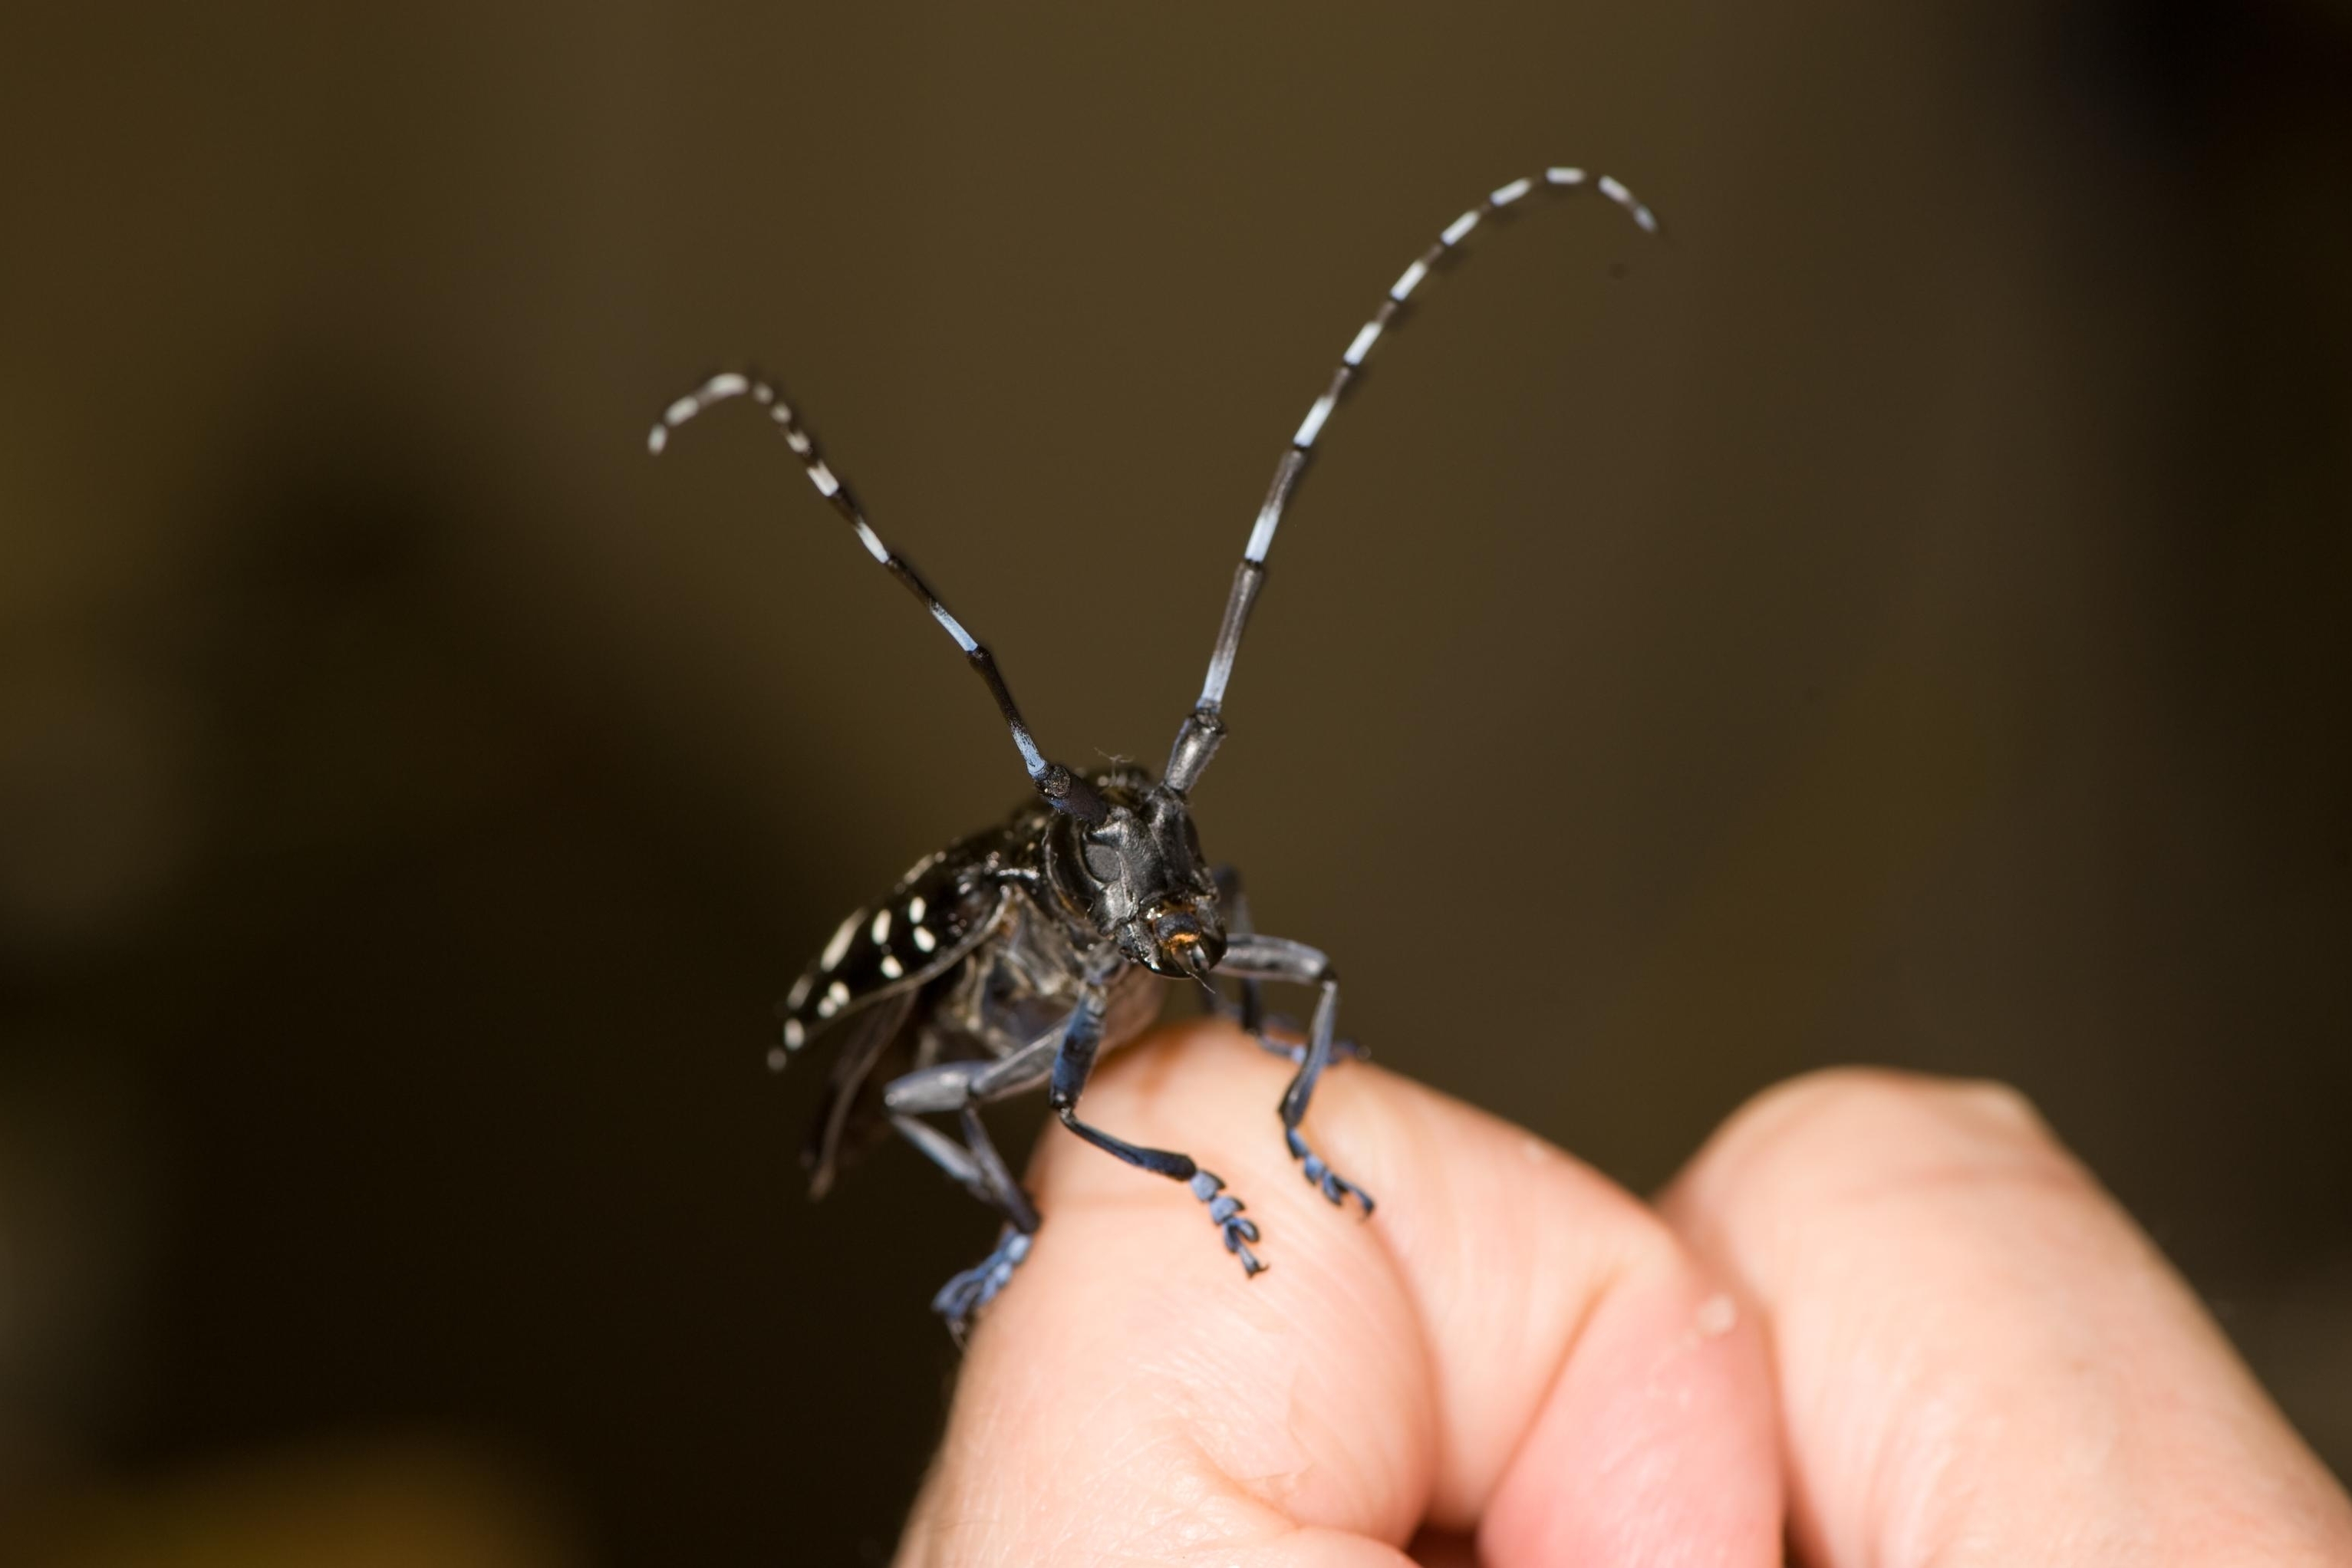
<point>916,907</point>
<point>925,940</point>
<point>1717,1316</point>
<point>777,1058</point>
<point>836,996</point>
<point>838,945</point>
<point>800,992</point>
<point>880,930</point>
<point>891,968</point>
<point>794,1035</point>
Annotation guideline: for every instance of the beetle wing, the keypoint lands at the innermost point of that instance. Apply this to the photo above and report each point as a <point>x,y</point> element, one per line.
<point>865,1039</point>
<point>939,912</point>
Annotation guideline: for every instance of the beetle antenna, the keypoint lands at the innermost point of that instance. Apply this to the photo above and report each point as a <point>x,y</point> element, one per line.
<point>1203,728</point>
<point>1062,789</point>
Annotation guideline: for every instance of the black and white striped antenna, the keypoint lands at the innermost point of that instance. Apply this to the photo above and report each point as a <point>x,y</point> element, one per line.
<point>1062,789</point>
<point>1204,728</point>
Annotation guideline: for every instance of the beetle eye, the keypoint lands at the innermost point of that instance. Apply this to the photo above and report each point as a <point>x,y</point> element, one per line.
<point>1102,861</point>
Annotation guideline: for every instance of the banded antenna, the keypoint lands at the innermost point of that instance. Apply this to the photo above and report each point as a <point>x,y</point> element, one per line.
<point>1062,789</point>
<point>1204,728</point>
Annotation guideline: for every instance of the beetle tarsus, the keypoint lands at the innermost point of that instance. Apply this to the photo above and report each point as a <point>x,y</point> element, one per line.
<point>1226,1211</point>
<point>976,1287</point>
<point>1322,1177</point>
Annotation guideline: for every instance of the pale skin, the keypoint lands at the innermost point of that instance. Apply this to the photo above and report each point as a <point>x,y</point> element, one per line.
<point>1879,1320</point>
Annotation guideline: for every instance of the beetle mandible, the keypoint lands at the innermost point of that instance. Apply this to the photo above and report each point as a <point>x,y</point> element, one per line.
<point>1016,957</point>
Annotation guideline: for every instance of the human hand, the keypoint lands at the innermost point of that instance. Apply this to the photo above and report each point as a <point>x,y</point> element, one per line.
<point>1889,1314</point>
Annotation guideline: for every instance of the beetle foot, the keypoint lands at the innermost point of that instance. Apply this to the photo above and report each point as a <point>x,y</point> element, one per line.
<point>1225,1210</point>
<point>1321,1176</point>
<point>976,1287</point>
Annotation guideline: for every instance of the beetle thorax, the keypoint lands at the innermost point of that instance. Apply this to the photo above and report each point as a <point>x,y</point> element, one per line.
<point>1138,877</point>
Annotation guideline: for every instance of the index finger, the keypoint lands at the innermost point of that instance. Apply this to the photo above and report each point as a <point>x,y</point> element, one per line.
<point>1510,1344</point>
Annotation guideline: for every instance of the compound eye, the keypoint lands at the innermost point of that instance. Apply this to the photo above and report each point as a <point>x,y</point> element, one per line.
<point>1103,861</point>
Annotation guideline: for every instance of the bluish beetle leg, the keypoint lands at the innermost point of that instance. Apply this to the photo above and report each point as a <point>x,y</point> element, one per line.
<point>1234,902</point>
<point>1252,1015</point>
<point>963,1296</point>
<point>1277,958</point>
<point>959,1087</point>
<point>1074,1063</point>
<point>976,1166</point>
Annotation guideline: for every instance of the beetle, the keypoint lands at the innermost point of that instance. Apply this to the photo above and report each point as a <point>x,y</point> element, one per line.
<point>1015,958</point>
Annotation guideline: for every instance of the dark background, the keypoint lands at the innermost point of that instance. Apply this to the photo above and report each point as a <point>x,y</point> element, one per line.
<point>1901,617</point>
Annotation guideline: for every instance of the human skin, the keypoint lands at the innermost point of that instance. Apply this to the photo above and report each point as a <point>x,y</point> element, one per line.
<point>1879,1320</point>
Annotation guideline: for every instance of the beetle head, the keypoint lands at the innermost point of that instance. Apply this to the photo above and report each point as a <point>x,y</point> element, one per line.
<point>1139,878</point>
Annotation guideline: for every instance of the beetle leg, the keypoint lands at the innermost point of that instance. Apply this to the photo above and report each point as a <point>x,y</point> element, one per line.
<point>949,1086</point>
<point>976,1287</point>
<point>986,1180</point>
<point>1277,958</point>
<point>974,1164</point>
<point>977,1168</point>
<point>1252,1015</point>
<point>1074,1063</point>
<point>1235,904</point>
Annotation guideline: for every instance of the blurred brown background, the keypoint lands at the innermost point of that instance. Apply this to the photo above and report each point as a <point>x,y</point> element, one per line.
<point>1900,618</point>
